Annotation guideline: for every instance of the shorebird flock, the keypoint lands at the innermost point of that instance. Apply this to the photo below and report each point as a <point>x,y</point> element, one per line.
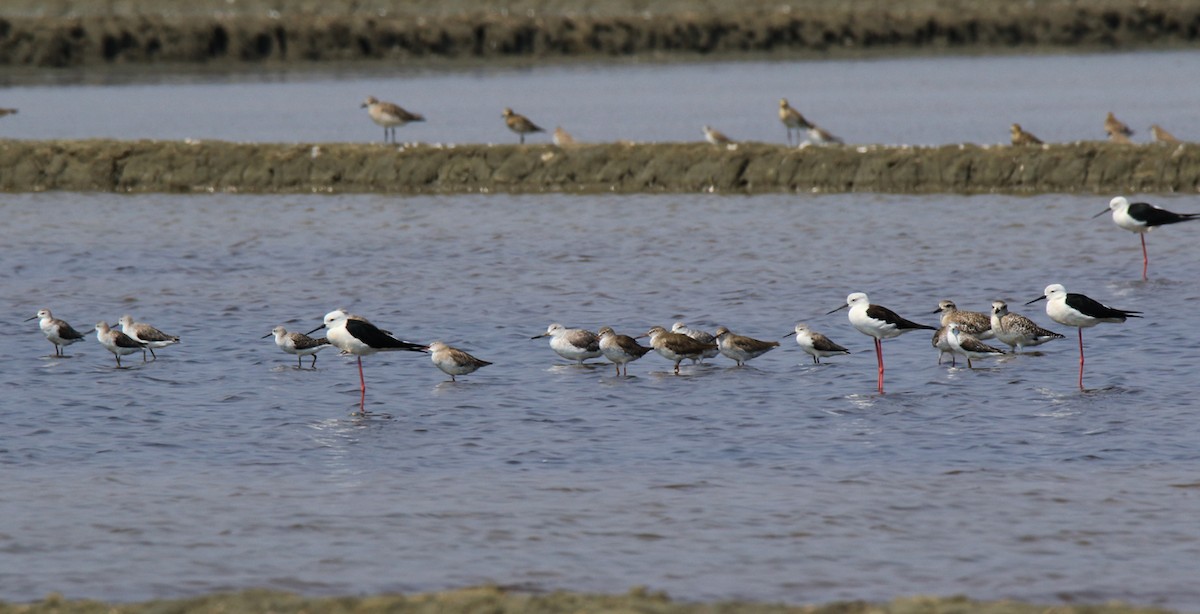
<point>959,333</point>
<point>391,116</point>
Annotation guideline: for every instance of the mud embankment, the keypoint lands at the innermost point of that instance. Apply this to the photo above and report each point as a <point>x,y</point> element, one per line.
<point>728,29</point>
<point>748,168</point>
<point>499,601</point>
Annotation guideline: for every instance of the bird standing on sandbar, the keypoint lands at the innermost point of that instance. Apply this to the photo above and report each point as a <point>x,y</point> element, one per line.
<point>815,344</point>
<point>519,123</point>
<point>1142,218</point>
<point>716,137</point>
<point>792,120</point>
<point>1021,137</point>
<point>389,116</point>
<point>1079,311</point>
<point>820,136</point>
<point>575,344</point>
<point>675,347</point>
<point>453,361</point>
<point>1160,135</point>
<point>117,342</point>
<point>1117,131</point>
<point>355,335</point>
<point>298,344</point>
<point>152,337</point>
<point>56,331</point>
<point>1016,330</point>
<point>968,345</point>
<point>620,349</point>
<point>739,348</point>
<point>562,138</point>
<point>877,322</point>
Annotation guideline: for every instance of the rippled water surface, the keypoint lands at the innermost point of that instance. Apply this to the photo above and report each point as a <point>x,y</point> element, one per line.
<point>223,466</point>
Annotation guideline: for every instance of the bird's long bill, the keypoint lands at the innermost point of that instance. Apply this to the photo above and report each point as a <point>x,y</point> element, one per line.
<point>33,318</point>
<point>540,336</point>
<point>1040,298</point>
<point>311,331</point>
<point>1106,210</point>
<point>267,335</point>
<point>838,309</point>
<point>787,335</point>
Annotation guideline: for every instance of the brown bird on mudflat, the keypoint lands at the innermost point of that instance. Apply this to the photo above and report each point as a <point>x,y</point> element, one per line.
<point>792,120</point>
<point>520,124</point>
<point>675,347</point>
<point>739,348</point>
<point>389,116</point>
<point>562,138</point>
<point>1021,137</point>
<point>1117,131</point>
<point>716,137</point>
<point>1162,136</point>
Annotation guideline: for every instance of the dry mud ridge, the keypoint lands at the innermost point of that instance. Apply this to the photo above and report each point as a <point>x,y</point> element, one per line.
<point>67,33</point>
<point>747,168</point>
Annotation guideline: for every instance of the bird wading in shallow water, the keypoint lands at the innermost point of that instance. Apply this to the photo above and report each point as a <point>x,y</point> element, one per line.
<point>1079,311</point>
<point>877,322</point>
<point>1142,218</point>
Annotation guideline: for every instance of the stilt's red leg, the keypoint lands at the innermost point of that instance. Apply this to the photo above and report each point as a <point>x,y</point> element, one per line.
<point>879,358</point>
<point>1081,358</point>
<point>1145,257</point>
<point>362,381</point>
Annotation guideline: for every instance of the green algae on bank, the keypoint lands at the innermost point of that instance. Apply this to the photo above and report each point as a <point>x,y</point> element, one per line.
<point>494,600</point>
<point>746,168</point>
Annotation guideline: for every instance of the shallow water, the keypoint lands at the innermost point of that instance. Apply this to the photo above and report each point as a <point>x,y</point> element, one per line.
<point>222,466</point>
<point>911,100</point>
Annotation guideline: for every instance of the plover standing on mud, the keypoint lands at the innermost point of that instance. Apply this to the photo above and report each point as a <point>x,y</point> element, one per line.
<point>389,116</point>
<point>520,124</point>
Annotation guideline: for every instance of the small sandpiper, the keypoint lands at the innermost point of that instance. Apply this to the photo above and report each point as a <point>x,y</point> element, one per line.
<point>562,138</point>
<point>1162,136</point>
<point>815,344</point>
<point>453,361</point>
<point>1016,330</point>
<point>820,136</point>
<point>974,323</point>
<point>117,342</point>
<point>1117,131</point>
<point>574,344</point>
<point>299,344</point>
<point>675,347</point>
<point>520,124</point>
<point>1021,137</point>
<point>967,345</point>
<point>739,348</point>
<point>144,333</point>
<point>620,349</point>
<point>716,137</point>
<point>389,116</point>
<point>56,331</point>
<point>941,342</point>
<point>702,336</point>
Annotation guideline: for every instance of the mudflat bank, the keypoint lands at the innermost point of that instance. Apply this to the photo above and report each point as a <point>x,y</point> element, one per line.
<point>747,168</point>
<point>87,33</point>
<point>499,601</point>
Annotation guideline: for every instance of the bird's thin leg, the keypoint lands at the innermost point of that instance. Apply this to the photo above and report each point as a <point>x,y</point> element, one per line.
<point>879,359</point>
<point>1145,257</point>
<point>362,381</point>
<point>1081,358</point>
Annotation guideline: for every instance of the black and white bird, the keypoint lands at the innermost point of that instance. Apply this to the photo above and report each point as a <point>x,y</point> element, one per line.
<point>56,331</point>
<point>117,342</point>
<point>815,344</point>
<point>355,335</point>
<point>1142,218</point>
<point>877,322</point>
<point>298,344</point>
<point>1081,312</point>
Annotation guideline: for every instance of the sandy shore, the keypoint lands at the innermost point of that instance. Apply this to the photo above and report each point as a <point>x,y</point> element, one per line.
<point>747,168</point>
<point>95,33</point>
<point>498,601</point>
